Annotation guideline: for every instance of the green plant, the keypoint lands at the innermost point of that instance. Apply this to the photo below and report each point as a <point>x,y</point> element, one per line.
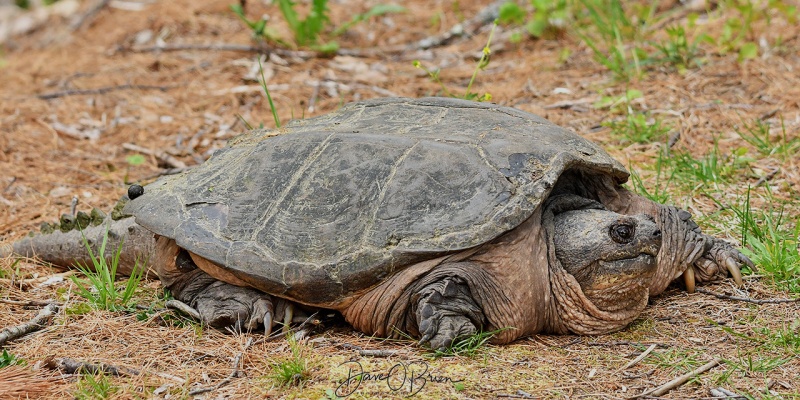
<point>263,82</point>
<point>308,31</point>
<point>638,127</point>
<point>758,135</point>
<point>95,387</point>
<point>770,244</point>
<point>8,359</point>
<point>679,51</point>
<point>482,63</point>
<point>616,40</point>
<point>710,170</point>
<point>4,274</point>
<point>660,192</point>
<point>549,16</point>
<point>101,279</point>
<point>467,345</point>
<point>294,370</point>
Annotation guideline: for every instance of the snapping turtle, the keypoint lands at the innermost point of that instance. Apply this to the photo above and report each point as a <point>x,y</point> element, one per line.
<point>432,217</point>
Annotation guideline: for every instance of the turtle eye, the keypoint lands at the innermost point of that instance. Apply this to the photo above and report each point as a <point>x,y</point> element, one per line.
<point>622,232</point>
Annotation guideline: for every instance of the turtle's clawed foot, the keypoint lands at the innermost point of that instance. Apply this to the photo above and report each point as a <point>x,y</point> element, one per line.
<point>225,306</point>
<point>717,262</point>
<point>445,312</point>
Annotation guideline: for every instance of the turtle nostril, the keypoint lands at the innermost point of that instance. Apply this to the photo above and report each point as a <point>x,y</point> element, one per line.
<point>657,232</point>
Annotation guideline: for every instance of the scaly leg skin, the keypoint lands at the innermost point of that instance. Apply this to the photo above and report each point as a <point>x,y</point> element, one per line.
<point>718,259</point>
<point>225,306</point>
<point>446,311</point>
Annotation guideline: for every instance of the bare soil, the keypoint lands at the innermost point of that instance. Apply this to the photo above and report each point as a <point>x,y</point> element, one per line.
<point>71,100</point>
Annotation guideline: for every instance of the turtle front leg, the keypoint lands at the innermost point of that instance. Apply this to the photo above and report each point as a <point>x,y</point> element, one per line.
<point>446,311</point>
<point>225,306</point>
<point>696,257</point>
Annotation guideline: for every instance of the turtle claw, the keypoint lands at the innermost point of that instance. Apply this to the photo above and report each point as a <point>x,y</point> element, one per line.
<point>733,268</point>
<point>267,323</point>
<point>288,314</point>
<point>720,260</point>
<point>689,279</point>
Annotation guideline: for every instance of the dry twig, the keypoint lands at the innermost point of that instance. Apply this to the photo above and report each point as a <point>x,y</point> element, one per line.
<point>102,90</point>
<point>37,323</point>
<point>640,357</point>
<point>663,389</point>
<point>78,22</point>
<point>767,177</point>
<point>160,155</point>
<point>236,361</point>
<point>31,282</point>
<point>746,299</point>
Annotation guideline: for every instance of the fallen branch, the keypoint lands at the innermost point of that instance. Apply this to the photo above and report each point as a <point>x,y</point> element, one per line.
<point>746,299</point>
<point>160,155</point>
<point>37,323</point>
<point>71,366</point>
<point>102,90</point>
<point>236,361</point>
<point>663,389</point>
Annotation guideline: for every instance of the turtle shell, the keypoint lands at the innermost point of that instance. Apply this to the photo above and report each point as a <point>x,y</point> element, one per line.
<point>329,206</point>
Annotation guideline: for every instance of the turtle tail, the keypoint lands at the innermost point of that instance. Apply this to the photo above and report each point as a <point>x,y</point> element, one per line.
<point>64,245</point>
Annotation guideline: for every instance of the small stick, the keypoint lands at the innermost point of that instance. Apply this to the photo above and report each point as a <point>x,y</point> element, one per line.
<point>73,207</point>
<point>236,361</point>
<point>376,353</point>
<point>663,389</point>
<point>161,155</point>
<point>746,299</point>
<point>640,358</point>
<point>8,187</point>
<point>78,22</point>
<point>102,90</point>
<point>30,303</point>
<point>37,323</point>
<point>171,171</point>
<point>767,177</point>
<point>31,282</point>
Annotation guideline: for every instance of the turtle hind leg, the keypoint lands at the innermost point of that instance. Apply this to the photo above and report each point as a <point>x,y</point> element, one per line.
<point>445,312</point>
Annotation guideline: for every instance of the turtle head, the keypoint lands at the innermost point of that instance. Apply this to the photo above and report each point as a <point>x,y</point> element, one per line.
<point>609,254</point>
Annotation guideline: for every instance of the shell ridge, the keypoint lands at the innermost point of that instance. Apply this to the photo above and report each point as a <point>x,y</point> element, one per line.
<point>269,214</point>
<point>384,189</point>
